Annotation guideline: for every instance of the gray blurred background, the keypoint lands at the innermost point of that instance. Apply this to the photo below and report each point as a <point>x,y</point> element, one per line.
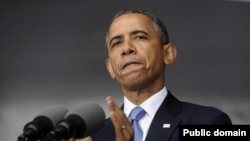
<point>52,53</point>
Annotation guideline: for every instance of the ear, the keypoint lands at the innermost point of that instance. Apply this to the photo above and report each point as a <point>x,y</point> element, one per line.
<point>170,53</point>
<point>109,68</point>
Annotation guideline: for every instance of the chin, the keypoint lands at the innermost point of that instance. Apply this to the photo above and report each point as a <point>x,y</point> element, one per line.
<point>134,85</point>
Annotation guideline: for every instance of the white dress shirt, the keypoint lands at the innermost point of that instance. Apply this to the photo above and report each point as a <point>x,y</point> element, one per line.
<point>150,105</point>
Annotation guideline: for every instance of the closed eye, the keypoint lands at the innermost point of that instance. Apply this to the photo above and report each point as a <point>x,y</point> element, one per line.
<point>116,40</point>
<point>139,34</point>
<point>141,37</point>
<point>116,43</point>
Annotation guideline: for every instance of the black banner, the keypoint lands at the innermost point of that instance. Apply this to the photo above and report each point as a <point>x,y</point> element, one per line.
<point>215,132</point>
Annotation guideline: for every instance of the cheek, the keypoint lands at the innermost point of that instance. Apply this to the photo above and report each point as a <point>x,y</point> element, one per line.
<point>115,65</point>
<point>149,56</point>
<point>153,59</point>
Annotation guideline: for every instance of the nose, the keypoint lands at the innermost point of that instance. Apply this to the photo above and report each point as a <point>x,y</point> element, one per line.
<point>128,48</point>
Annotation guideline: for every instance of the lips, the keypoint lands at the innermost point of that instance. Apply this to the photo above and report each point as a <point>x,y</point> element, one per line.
<point>126,64</point>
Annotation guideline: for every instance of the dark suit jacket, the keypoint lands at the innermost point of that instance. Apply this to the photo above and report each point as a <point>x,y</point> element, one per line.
<point>174,112</point>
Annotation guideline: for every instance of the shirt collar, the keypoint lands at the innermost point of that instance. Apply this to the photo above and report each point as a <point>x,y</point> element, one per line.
<point>150,105</point>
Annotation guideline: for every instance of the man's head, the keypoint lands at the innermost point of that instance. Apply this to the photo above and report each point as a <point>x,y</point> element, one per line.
<point>157,23</point>
<point>138,50</point>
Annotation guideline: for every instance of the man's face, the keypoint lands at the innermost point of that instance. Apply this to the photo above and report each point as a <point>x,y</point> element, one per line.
<point>135,54</point>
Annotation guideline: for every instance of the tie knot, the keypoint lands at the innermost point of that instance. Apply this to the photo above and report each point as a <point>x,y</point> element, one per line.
<point>137,113</point>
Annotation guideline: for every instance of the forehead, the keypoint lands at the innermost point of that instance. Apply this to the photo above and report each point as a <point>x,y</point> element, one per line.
<point>128,22</point>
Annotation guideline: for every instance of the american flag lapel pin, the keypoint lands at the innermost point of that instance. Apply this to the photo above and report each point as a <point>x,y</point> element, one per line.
<point>166,125</point>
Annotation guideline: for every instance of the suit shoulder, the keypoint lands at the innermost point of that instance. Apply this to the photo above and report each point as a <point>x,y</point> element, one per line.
<point>200,114</point>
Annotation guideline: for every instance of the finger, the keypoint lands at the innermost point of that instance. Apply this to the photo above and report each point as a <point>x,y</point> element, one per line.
<point>116,113</point>
<point>111,104</point>
<point>122,130</point>
<point>121,123</point>
<point>119,114</point>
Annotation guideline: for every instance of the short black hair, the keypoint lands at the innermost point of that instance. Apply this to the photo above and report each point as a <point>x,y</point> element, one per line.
<point>156,21</point>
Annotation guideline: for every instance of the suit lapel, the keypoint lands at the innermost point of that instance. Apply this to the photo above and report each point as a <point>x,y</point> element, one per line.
<point>164,123</point>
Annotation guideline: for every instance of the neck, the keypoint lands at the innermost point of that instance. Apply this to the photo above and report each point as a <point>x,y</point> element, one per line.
<point>140,95</point>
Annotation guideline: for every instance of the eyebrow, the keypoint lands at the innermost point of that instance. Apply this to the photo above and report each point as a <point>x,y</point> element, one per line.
<point>115,37</point>
<point>138,31</point>
<point>134,32</point>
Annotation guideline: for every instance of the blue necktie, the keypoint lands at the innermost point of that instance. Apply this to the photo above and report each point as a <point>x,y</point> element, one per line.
<point>136,114</point>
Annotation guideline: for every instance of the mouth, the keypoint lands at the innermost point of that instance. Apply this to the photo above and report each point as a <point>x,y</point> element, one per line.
<point>126,64</point>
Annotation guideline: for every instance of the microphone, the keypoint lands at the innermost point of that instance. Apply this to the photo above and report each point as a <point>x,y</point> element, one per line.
<point>81,121</point>
<point>42,124</point>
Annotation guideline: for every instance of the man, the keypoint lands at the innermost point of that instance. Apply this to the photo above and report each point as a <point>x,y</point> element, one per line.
<point>138,52</point>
